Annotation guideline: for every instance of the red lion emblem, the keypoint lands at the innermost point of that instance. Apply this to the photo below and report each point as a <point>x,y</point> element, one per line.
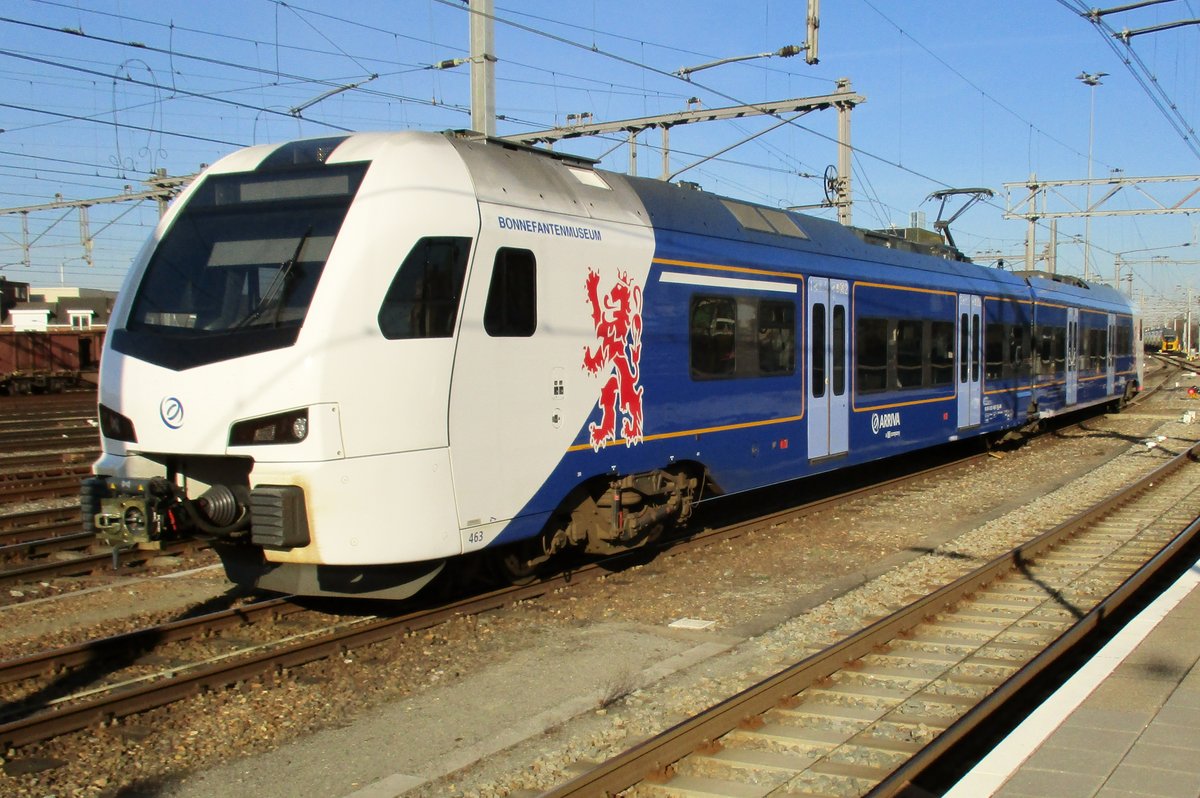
<point>618,322</point>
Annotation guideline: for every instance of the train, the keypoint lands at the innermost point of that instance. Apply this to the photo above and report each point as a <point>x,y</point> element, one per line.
<point>352,360</point>
<point>47,361</point>
<point>1170,342</point>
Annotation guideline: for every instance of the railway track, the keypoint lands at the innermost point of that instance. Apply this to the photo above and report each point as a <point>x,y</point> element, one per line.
<point>43,469</point>
<point>135,692</point>
<point>869,714</point>
<point>41,438</point>
<point>39,533</point>
<point>29,487</point>
<point>1182,364</point>
<point>78,415</point>
<point>140,692</point>
<point>42,546</point>
<point>85,561</point>
<point>18,463</point>
<point>45,424</point>
<point>46,519</point>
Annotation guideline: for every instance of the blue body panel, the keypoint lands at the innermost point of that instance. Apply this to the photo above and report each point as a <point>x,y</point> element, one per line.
<point>752,432</point>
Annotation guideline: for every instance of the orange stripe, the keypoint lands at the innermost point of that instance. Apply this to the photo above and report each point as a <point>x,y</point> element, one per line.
<point>702,431</point>
<point>905,288</point>
<point>949,398</point>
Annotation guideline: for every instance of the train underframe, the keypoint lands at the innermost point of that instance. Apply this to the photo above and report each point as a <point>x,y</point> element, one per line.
<point>602,516</point>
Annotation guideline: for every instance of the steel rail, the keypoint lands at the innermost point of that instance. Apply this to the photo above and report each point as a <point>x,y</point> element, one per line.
<point>29,489</point>
<point>17,462</point>
<point>653,758</point>
<point>54,470</point>
<point>41,546</point>
<point>98,651</point>
<point>32,518</point>
<point>39,532</point>
<point>26,441</point>
<point>91,563</point>
<point>78,401</point>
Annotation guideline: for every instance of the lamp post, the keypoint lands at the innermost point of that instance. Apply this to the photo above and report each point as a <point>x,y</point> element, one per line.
<point>1092,80</point>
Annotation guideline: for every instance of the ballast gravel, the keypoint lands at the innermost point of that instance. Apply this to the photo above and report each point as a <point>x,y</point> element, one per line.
<point>517,700</point>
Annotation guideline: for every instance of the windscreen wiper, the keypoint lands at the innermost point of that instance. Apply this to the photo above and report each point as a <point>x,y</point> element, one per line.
<point>276,291</point>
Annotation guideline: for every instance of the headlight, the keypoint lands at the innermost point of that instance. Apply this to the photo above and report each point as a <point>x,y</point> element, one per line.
<point>116,426</point>
<point>289,427</point>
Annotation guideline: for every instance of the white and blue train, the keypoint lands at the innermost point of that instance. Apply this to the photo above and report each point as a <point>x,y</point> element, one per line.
<point>351,360</point>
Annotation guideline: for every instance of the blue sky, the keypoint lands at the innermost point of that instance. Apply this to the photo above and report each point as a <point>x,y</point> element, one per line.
<point>96,95</point>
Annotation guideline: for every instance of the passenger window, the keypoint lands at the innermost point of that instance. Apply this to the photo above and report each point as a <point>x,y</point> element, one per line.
<point>422,301</point>
<point>818,350</point>
<point>776,337</point>
<point>1124,340</point>
<point>871,355</point>
<point>974,348</point>
<point>511,310</point>
<point>910,353</point>
<point>941,353</point>
<point>713,323</point>
<point>839,350</point>
<point>1100,348</point>
<point>1026,367</point>
<point>964,332</point>
<point>993,350</point>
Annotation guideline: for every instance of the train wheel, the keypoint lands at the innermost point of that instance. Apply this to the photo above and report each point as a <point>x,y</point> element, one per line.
<point>518,563</point>
<point>1117,405</point>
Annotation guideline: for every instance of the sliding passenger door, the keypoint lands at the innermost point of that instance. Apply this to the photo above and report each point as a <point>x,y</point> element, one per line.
<point>827,350</point>
<point>1072,365</point>
<point>970,355</point>
<point>1110,355</point>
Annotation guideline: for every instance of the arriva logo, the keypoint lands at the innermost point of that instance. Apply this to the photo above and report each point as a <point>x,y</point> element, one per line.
<point>884,421</point>
<point>171,412</point>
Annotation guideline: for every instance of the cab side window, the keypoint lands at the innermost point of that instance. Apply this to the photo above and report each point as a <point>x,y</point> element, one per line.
<point>511,310</point>
<point>422,301</point>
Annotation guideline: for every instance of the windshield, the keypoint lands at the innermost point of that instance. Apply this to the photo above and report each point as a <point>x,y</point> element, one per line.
<point>246,253</point>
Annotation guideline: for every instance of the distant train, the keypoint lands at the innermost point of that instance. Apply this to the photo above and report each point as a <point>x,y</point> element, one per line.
<point>47,362</point>
<point>1170,342</point>
<point>350,360</point>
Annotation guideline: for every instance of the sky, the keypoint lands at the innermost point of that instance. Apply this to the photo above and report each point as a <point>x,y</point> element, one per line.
<point>96,95</point>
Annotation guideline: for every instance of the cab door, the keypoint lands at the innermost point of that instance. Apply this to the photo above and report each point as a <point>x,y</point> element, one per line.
<point>827,353</point>
<point>970,355</point>
<point>500,427</point>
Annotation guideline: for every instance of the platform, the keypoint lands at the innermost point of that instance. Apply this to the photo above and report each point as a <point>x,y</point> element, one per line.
<point>1127,724</point>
